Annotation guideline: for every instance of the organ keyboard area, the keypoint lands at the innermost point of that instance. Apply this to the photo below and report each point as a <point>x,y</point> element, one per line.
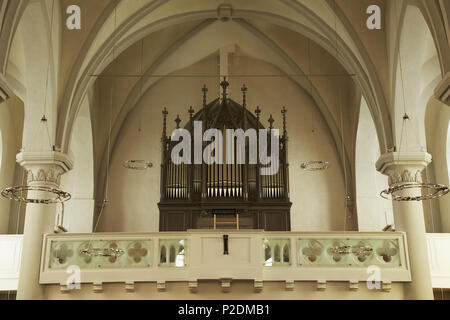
<point>190,192</point>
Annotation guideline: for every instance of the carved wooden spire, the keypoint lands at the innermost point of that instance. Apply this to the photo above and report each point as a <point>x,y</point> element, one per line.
<point>224,84</point>
<point>244,105</point>
<point>258,112</point>
<point>164,133</point>
<point>283,112</point>
<point>177,121</point>
<point>191,115</point>
<point>204,90</point>
<point>244,96</point>
<point>271,121</point>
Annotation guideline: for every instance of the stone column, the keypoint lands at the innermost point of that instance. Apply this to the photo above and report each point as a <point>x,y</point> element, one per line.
<point>43,169</point>
<point>408,216</point>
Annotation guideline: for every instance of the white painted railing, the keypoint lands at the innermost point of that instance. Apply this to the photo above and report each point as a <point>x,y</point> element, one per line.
<point>439,258</point>
<point>10,256</point>
<point>199,255</point>
<point>246,259</point>
<point>209,257</point>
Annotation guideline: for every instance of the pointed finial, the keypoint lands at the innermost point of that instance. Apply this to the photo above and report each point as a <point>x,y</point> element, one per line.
<point>164,133</point>
<point>258,112</point>
<point>244,95</point>
<point>204,90</point>
<point>283,112</point>
<point>224,84</point>
<point>191,115</point>
<point>191,112</point>
<point>178,120</point>
<point>271,121</point>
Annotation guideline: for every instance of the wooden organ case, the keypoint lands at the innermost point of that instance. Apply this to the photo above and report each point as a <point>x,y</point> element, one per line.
<point>192,193</point>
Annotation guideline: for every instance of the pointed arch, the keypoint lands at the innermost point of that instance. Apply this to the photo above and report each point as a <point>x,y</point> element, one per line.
<point>416,73</point>
<point>316,28</point>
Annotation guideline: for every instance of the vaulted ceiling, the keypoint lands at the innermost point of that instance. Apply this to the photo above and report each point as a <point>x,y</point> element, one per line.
<point>160,37</point>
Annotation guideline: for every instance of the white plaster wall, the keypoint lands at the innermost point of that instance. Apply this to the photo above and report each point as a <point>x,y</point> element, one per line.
<point>374,212</point>
<point>437,212</point>
<point>10,127</point>
<point>318,198</point>
<point>448,149</point>
<point>79,182</point>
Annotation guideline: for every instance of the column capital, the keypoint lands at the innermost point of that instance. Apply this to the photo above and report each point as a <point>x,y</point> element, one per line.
<point>44,167</point>
<point>405,167</point>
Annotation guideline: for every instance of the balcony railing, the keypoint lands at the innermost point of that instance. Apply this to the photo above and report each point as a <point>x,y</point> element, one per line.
<point>197,255</point>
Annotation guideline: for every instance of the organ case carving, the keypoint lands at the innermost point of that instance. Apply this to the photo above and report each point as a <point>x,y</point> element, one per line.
<point>191,193</point>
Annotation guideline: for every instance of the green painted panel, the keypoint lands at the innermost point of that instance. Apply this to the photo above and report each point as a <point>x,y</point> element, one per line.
<point>123,253</point>
<point>348,252</point>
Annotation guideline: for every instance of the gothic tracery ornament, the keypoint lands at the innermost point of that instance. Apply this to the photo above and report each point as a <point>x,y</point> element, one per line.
<point>313,250</point>
<point>62,253</point>
<point>338,250</point>
<point>388,251</point>
<point>137,252</point>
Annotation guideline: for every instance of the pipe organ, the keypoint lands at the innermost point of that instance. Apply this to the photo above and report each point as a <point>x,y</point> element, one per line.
<point>191,191</point>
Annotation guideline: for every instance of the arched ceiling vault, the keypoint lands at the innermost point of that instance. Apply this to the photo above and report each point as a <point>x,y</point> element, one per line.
<point>72,78</point>
<point>416,71</point>
<point>437,17</point>
<point>313,19</point>
<point>432,15</point>
<point>40,43</point>
<point>187,50</point>
<point>10,13</point>
<point>379,115</point>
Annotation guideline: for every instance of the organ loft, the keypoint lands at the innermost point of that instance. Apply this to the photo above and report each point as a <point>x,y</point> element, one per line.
<point>224,195</point>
